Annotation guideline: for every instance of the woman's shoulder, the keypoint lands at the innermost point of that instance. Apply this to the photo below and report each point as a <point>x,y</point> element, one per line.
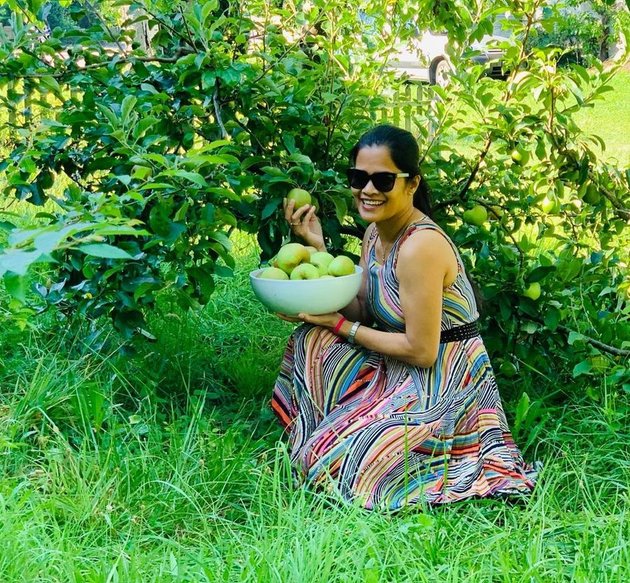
<point>426,241</point>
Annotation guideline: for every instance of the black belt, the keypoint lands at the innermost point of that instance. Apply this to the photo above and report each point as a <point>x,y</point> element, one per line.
<point>458,333</point>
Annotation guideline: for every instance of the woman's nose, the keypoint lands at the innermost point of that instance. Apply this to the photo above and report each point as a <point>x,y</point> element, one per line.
<point>369,188</point>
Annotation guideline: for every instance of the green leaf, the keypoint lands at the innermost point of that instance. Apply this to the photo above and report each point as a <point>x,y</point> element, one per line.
<point>552,318</point>
<point>575,336</point>
<point>48,241</point>
<point>521,409</point>
<point>17,285</point>
<point>18,261</point>
<point>270,208</point>
<point>208,8</point>
<point>127,106</point>
<point>109,114</point>
<point>581,368</point>
<point>341,208</point>
<point>104,251</point>
<point>540,273</point>
<point>194,177</point>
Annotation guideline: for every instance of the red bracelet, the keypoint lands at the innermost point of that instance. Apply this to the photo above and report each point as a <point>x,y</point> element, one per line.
<point>339,324</point>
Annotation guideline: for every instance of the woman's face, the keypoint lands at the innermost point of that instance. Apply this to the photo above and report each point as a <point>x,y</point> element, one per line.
<point>376,206</point>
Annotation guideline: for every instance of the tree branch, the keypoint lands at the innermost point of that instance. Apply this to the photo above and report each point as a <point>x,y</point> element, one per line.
<point>598,344</point>
<point>592,341</point>
<point>217,108</point>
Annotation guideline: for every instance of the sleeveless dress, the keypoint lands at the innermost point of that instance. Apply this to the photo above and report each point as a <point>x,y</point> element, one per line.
<point>383,433</point>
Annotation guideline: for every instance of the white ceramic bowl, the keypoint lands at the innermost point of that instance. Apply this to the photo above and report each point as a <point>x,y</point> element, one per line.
<point>309,296</point>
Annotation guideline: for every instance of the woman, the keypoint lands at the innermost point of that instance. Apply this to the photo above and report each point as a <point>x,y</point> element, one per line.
<point>393,401</point>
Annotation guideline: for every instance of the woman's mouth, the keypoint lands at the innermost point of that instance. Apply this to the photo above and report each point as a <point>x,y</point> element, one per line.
<point>372,203</point>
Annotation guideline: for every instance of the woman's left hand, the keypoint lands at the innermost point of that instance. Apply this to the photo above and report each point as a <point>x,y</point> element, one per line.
<point>326,320</point>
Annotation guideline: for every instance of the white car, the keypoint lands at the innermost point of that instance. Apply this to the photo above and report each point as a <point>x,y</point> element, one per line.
<point>426,58</point>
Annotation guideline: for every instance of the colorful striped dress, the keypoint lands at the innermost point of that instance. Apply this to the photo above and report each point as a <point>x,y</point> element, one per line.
<point>384,433</point>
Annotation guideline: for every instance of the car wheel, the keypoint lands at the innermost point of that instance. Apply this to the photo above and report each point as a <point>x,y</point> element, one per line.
<point>441,73</point>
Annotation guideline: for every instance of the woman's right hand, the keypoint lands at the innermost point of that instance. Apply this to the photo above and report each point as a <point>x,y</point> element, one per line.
<point>305,224</point>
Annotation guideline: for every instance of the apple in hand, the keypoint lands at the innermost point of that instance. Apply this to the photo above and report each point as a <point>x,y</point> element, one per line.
<point>291,255</point>
<point>273,273</point>
<point>321,260</point>
<point>305,271</point>
<point>299,196</point>
<point>341,265</point>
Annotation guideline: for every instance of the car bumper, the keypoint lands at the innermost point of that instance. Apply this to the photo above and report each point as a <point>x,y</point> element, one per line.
<point>493,62</point>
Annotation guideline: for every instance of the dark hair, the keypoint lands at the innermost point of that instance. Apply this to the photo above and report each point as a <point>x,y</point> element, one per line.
<point>405,153</point>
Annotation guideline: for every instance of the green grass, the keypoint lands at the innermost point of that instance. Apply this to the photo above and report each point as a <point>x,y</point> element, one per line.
<point>609,118</point>
<point>168,466</point>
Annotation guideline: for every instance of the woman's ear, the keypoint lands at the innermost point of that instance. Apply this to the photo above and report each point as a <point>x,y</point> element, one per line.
<point>413,184</point>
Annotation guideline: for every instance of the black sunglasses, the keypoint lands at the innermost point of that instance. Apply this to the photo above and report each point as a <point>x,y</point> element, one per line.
<point>382,181</point>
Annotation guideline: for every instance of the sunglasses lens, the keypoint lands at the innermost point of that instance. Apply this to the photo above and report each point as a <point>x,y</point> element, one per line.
<point>357,178</point>
<point>383,181</point>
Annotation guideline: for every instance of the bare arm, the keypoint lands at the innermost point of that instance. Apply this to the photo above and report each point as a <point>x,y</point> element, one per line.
<point>426,265</point>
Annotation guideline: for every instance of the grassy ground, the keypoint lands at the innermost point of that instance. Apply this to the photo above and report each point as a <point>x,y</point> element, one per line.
<point>610,119</point>
<point>168,466</point>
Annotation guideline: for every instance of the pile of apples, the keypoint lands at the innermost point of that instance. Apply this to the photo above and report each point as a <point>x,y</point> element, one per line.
<point>296,261</point>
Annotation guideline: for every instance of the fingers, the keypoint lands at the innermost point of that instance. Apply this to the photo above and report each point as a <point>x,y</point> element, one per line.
<point>288,207</point>
<point>288,318</point>
<point>310,215</point>
<point>296,217</point>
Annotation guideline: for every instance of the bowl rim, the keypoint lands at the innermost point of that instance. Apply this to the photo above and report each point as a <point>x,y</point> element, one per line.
<point>252,274</point>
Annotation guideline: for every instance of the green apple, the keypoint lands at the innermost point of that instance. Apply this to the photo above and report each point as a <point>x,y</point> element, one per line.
<point>291,255</point>
<point>520,155</point>
<point>341,265</point>
<point>273,273</point>
<point>550,205</point>
<point>592,195</point>
<point>321,260</point>
<point>533,291</point>
<point>477,215</point>
<point>300,196</point>
<point>311,249</point>
<point>305,271</point>
<point>508,368</point>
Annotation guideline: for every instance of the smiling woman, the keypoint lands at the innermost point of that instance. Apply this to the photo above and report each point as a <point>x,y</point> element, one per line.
<point>392,400</point>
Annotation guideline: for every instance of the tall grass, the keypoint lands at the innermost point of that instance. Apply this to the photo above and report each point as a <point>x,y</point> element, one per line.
<point>168,466</point>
